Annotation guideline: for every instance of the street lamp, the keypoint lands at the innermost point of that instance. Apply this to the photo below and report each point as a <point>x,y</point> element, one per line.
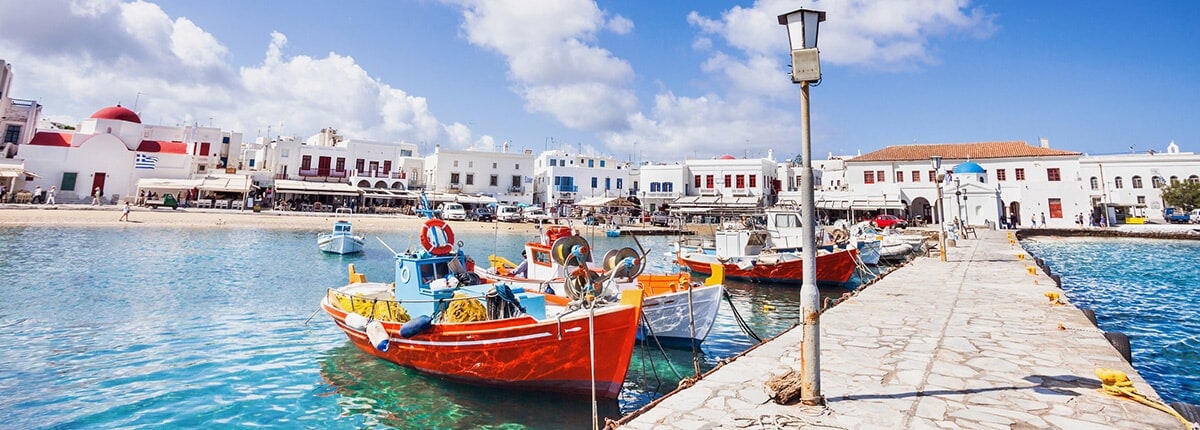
<point>936,161</point>
<point>806,67</point>
<point>958,198</point>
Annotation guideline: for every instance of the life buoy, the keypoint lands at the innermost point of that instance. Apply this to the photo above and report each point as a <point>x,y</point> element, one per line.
<point>402,275</point>
<point>437,238</point>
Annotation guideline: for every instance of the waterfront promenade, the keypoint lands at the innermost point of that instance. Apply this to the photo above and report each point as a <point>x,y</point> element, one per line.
<point>971,343</point>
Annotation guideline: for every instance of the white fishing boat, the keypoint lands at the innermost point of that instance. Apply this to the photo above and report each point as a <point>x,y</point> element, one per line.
<point>341,240</point>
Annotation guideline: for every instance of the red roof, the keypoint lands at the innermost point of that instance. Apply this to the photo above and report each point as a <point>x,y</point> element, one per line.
<point>960,151</point>
<point>118,113</point>
<point>727,157</point>
<point>50,138</point>
<point>162,146</point>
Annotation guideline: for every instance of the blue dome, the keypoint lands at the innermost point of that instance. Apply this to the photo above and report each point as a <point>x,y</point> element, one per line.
<point>968,167</point>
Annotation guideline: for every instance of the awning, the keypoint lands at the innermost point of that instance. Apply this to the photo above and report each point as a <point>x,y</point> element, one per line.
<point>612,202</point>
<point>324,188</point>
<point>15,170</point>
<point>228,184</point>
<point>168,184</point>
<point>378,193</point>
<point>476,200</point>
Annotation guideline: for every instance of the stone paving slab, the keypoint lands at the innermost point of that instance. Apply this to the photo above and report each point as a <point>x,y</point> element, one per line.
<point>971,343</point>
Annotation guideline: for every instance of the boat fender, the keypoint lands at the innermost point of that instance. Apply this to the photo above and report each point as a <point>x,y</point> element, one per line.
<point>548,290</point>
<point>402,275</point>
<point>356,321</point>
<point>377,335</point>
<point>416,326</point>
<point>437,238</point>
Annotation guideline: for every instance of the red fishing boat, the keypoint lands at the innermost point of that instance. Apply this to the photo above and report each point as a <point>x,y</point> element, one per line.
<point>433,320</point>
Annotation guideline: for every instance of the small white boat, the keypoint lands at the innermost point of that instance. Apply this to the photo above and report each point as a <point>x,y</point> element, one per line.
<point>341,240</point>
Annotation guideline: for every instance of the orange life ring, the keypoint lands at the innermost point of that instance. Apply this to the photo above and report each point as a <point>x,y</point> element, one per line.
<point>437,237</point>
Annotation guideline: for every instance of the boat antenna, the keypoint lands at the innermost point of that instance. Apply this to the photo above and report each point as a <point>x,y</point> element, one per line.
<point>385,245</point>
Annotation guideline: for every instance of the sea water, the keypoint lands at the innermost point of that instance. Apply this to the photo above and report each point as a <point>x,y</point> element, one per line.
<point>148,327</point>
<point>1147,289</point>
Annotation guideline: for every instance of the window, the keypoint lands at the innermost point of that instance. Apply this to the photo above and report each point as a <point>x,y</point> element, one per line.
<point>899,176</point>
<point>619,183</point>
<point>470,164</point>
<point>1020,172</point>
<point>753,181</point>
<point>667,186</point>
<point>1156,182</point>
<point>708,181</point>
<point>455,163</point>
<point>1055,208</point>
<point>1194,179</point>
<point>602,165</point>
<point>341,163</point>
<point>608,183</point>
<point>728,181</point>
<point>516,181</point>
<point>359,164</point>
<point>494,180</point>
<point>305,162</point>
<point>204,151</point>
<point>387,166</point>
<point>1141,200</point>
<point>591,163</point>
<point>595,182</point>
<point>553,162</point>
<point>1137,181</point>
<point>454,178</point>
<point>225,139</point>
<point>406,153</point>
<point>1174,180</point>
<point>517,166</point>
<point>697,182</point>
<point>879,176</point>
<point>916,176</point>
<point>1095,183</point>
<point>1001,175</point>
<point>741,181</point>
<point>12,133</point>
<point>1053,174</point>
<point>1118,182</point>
<point>868,177</point>
<point>470,179</point>
<point>933,176</point>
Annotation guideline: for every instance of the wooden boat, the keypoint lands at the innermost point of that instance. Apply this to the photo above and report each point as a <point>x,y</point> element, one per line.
<point>341,240</point>
<point>768,254</point>
<point>677,312</point>
<point>436,321</point>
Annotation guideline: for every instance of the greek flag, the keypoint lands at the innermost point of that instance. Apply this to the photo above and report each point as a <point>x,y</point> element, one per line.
<point>144,161</point>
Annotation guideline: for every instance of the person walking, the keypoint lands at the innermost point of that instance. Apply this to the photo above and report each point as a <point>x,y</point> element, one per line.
<point>37,195</point>
<point>1033,221</point>
<point>96,196</point>
<point>124,213</point>
<point>1043,220</point>
<point>50,194</point>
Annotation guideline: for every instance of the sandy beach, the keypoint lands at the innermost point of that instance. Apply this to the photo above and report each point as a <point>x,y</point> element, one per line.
<point>107,216</point>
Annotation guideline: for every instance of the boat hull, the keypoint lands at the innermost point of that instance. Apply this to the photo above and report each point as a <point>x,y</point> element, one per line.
<point>516,353</point>
<point>340,243</point>
<point>834,268</point>
<point>668,315</point>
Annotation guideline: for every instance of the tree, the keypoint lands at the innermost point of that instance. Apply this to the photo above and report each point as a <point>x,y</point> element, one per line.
<point>1182,194</point>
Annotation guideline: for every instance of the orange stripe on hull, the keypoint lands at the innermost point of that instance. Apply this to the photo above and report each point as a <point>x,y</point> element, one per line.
<point>834,268</point>
<point>517,353</point>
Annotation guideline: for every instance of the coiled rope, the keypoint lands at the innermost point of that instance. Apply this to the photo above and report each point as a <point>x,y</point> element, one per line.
<point>1117,383</point>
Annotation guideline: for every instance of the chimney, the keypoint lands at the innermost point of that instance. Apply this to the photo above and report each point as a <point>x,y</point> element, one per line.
<point>1045,142</point>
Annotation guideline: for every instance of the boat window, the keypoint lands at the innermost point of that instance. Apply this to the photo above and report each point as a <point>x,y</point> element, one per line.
<point>542,257</point>
<point>786,220</point>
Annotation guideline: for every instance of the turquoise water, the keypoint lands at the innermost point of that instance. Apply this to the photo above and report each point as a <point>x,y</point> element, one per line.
<point>146,327</point>
<point>1147,289</point>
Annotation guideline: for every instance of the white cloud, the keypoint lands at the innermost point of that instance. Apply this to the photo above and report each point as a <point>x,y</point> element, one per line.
<point>195,47</point>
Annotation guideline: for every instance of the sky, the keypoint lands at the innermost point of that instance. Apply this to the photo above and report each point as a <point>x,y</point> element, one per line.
<point>636,80</point>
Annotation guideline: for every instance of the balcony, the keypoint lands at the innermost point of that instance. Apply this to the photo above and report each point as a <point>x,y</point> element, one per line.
<point>662,195</point>
<point>566,188</point>
<point>377,174</point>
<point>322,173</point>
<point>516,189</point>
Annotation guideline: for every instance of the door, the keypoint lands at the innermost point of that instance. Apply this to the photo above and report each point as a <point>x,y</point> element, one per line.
<point>97,182</point>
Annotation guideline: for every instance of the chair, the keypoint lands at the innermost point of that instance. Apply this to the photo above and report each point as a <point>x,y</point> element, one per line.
<point>967,230</point>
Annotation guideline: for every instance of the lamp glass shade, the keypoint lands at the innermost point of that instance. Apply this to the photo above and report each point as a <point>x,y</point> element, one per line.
<point>802,27</point>
<point>936,161</point>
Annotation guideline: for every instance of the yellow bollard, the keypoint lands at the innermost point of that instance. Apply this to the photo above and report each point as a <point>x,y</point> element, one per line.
<point>1031,269</point>
<point>1020,256</point>
<point>768,308</point>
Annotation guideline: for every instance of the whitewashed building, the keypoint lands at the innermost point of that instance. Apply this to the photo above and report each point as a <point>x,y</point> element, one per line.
<point>476,178</point>
<point>563,178</point>
<point>1127,185</point>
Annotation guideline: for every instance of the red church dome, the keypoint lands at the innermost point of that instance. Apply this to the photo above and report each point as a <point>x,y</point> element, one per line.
<point>727,157</point>
<point>118,113</point>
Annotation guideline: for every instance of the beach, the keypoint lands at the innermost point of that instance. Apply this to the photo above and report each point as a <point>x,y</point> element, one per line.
<point>12,215</point>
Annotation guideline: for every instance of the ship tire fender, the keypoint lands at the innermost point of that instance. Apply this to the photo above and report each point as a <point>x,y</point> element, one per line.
<point>402,275</point>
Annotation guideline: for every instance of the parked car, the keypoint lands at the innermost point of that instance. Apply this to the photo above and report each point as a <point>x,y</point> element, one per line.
<point>660,218</point>
<point>508,214</point>
<point>534,214</point>
<point>1176,216</point>
<point>453,211</point>
<point>481,214</point>
<point>885,221</point>
<point>1195,216</point>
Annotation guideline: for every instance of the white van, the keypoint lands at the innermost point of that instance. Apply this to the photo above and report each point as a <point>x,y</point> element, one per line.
<point>508,214</point>
<point>453,211</point>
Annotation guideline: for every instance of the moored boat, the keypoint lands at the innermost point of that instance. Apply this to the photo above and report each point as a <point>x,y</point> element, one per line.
<point>677,311</point>
<point>341,240</point>
<point>437,320</point>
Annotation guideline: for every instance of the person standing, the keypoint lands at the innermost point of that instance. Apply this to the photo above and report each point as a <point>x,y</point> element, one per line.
<point>1043,220</point>
<point>1033,221</point>
<point>37,195</point>
<point>50,194</point>
<point>124,213</point>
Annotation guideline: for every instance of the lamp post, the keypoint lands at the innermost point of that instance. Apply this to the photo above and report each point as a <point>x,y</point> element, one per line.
<point>936,161</point>
<point>958,199</point>
<point>806,67</point>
